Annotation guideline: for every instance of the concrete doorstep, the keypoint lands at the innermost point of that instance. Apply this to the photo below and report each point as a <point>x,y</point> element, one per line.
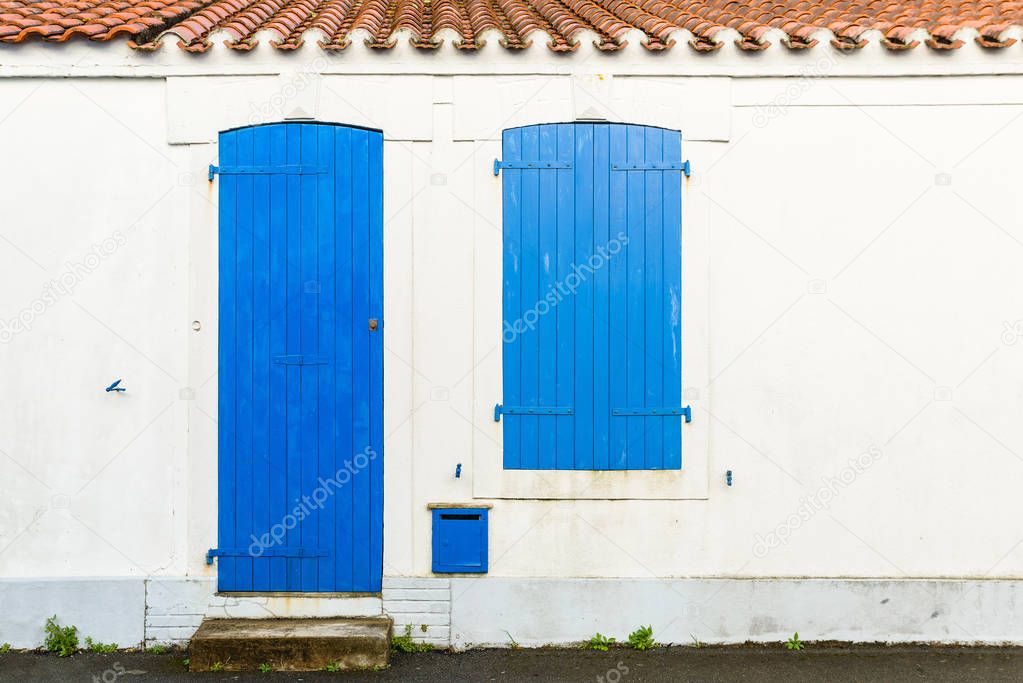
<point>348,643</point>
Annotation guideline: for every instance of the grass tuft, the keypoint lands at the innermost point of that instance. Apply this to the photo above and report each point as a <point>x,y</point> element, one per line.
<point>62,640</point>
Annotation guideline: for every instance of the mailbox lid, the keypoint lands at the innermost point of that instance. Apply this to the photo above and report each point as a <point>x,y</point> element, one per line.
<point>460,540</point>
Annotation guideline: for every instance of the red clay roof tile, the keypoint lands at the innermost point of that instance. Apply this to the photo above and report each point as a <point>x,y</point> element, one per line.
<point>562,20</point>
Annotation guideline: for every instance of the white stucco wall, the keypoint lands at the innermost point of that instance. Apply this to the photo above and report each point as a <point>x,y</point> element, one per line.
<point>852,288</point>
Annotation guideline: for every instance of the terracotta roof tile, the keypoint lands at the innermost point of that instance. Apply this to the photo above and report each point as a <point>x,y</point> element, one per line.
<point>901,23</point>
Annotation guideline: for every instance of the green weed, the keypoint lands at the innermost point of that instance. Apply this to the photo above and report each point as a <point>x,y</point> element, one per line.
<point>95,646</point>
<point>642,638</point>
<point>599,642</point>
<point>404,643</point>
<point>62,640</point>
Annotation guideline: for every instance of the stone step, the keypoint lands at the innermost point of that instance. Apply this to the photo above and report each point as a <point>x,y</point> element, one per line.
<point>290,644</point>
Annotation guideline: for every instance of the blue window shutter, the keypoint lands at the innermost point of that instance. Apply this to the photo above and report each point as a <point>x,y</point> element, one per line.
<point>592,297</point>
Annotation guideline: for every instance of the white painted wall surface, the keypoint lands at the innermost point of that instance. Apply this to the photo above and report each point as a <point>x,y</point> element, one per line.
<point>852,249</point>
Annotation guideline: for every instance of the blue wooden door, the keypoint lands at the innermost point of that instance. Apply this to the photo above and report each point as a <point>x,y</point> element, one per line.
<point>301,359</point>
<point>592,320</point>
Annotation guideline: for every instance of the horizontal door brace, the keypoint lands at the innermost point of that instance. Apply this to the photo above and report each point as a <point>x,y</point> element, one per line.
<point>685,411</point>
<point>299,360</point>
<point>498,165</point>
<point>531,410</point>
<point>654,166</point>
<point>264,552</point>
<point>292,169</point>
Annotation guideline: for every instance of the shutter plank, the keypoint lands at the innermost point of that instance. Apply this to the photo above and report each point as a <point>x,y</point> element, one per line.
<point>619,291</point>
<point>309,380</point>
<point>262,315</point>
<point>243,358</point>
<point>278,495</point>
<point>547,318</point>
<point>360,337</point>
<point>653,311</point>
<point>602,236</point>
<point>563,316</point>
<point>672,299</point>
<point>583,314</point>
<point>293,537</point>
<point>512,309</point>
<point>530,337</point>
<point>375,234</point>
<point>327,272</point>
<point>635,332</point>
<point>343,350</point>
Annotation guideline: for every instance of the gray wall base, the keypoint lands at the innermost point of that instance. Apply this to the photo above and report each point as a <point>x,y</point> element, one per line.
<point>558,611</point>
<point>489,611</point>
<point>110,610</point>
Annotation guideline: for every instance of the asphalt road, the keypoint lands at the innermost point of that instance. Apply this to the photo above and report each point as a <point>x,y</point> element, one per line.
<point>707,664</point>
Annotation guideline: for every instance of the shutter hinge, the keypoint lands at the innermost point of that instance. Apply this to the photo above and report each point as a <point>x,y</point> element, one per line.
<point>684,411</point>
<point>213,171</point>
<point>498,165</point>
<point>531,410</point>
<point>654,166</point>
<point>684,166</point>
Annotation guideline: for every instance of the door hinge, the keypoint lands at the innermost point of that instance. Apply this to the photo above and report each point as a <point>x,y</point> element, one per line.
<point>531,410</point>
<point>287,169</point>
<point>299,359</point>
<point>498,165</point>
<point>261,551</point>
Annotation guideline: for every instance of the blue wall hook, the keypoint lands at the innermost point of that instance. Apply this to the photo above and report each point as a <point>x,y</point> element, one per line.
<point>728,477</point>
<point>458,470</point>
<point>114,387</point>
